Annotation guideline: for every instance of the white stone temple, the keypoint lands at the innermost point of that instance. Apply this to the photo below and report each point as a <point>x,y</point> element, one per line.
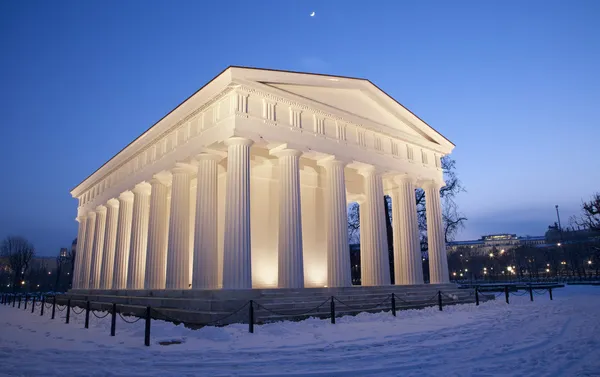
<point>246,185</point>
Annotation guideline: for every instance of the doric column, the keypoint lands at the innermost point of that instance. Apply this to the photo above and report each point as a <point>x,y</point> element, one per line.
<point>289,257</point>
<point>338,250</point>
<point>96,264</point>
<point>237,265</point>
<point>408,267</point>
<point>158,227</point>
<point>123,240</point>
<point>438,261</point>
<point>205,274</point>
<point>82,220</point>
<point>139,236</point>
<point>375,247</point>
<point>87,254</point>
<point>110,241</point>
<point>178,244</point>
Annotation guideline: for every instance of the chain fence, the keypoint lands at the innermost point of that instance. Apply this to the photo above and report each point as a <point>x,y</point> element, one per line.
<point>131,314</point>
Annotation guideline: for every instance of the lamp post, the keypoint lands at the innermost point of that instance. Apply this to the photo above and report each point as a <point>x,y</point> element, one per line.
<point>559,226</point>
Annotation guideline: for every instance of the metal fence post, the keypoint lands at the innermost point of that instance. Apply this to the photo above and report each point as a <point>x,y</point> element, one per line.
<point>147,330</point>
<point>251,317</point>
<point>332,311</point>
<point>393,305</point>
<point>440,300</point>
<point>506,293</point>
<point>68,310</point>
<point>19,306</point>
<point>113,320</point>
<point>33,304</point>
<point>14,299</point>
<point>530,293</point>
<point>26,299</point>
<point>42,307</point>
<point>477,296</point>
<point>550,292</point>
<point>53,306</point>
<point>87,314</point>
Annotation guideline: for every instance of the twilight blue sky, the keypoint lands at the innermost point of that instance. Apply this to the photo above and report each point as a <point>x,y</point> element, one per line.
<point>514,84</point>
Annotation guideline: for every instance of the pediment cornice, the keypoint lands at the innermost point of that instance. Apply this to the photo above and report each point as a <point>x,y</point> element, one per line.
<point>306,104</point>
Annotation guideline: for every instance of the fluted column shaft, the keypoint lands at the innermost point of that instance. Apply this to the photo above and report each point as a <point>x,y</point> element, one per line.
<point>237,263</point>
<point>123,240</point>
<point>438,261</point>
<point>87,254</point>
<point>289,258</point>
<point>338,250</point>
<point>110,241</point>
<point>158,227</point>
<point>79,252</point>
<point>377,271</point>
<point>96,263</point>
<point>206,255</point>
<point>139,236</point>
<point>407,248</point>
<point>178,249</point>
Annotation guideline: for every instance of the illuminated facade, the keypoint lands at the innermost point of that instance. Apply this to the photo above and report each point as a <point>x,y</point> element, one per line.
<point>495,242</point>
<point>246,185</point>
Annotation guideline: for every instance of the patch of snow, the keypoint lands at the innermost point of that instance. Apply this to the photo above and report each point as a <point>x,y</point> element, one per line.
<point>540,338</point>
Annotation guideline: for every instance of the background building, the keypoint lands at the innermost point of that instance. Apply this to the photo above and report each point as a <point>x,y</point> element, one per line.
<point>490,243</point>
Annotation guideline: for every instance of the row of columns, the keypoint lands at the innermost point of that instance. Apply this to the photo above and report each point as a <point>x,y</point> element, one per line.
<point>138,241</point>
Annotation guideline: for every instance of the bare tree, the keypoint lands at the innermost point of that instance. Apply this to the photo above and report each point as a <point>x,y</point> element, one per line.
<point>18,252</point>
<point>590,218</point>
<point>453,219</point>
<point>353,223</point>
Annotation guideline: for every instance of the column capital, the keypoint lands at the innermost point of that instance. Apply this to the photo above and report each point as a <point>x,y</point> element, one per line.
<point>333,161</point>
<point>431,184</point>
<point>126,196</point>
<point>238,141</point>
<point>183,168</point>
<point>114,203</point>
<point>286,149</point>
<point>81,214</point>
<point>164,178</point>
<point>142,188</point>
<point>101,208</point>
<point>405,178</point>
<point>204,156</point>
<point>285,152</point>
<point>369,170</point>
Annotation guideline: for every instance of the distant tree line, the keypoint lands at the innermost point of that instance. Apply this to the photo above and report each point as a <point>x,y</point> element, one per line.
<point>21,271</point>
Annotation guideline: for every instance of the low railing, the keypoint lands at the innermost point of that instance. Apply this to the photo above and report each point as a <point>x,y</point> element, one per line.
<point>134,313</point>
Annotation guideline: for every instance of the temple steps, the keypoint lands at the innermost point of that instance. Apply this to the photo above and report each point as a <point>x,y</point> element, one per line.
<point>199,307</point>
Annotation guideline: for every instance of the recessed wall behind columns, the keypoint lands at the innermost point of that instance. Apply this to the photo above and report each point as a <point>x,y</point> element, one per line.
<point>313,228</point>
<point>264,223</point>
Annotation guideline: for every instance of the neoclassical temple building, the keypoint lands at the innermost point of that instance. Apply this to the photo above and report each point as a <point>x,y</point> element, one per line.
<point>246,185</point>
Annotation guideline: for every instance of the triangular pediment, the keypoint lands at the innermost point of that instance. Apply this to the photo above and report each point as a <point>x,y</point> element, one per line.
<point>357,100</point>
<point>349,100</point>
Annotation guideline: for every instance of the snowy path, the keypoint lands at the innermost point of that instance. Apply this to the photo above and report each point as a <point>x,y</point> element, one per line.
<point>543,338</point>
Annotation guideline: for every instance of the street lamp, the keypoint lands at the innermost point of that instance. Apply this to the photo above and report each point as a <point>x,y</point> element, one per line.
<point>559,226</point>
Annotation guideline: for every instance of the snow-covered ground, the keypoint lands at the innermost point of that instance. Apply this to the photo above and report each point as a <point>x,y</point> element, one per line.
<point>540,338</point>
